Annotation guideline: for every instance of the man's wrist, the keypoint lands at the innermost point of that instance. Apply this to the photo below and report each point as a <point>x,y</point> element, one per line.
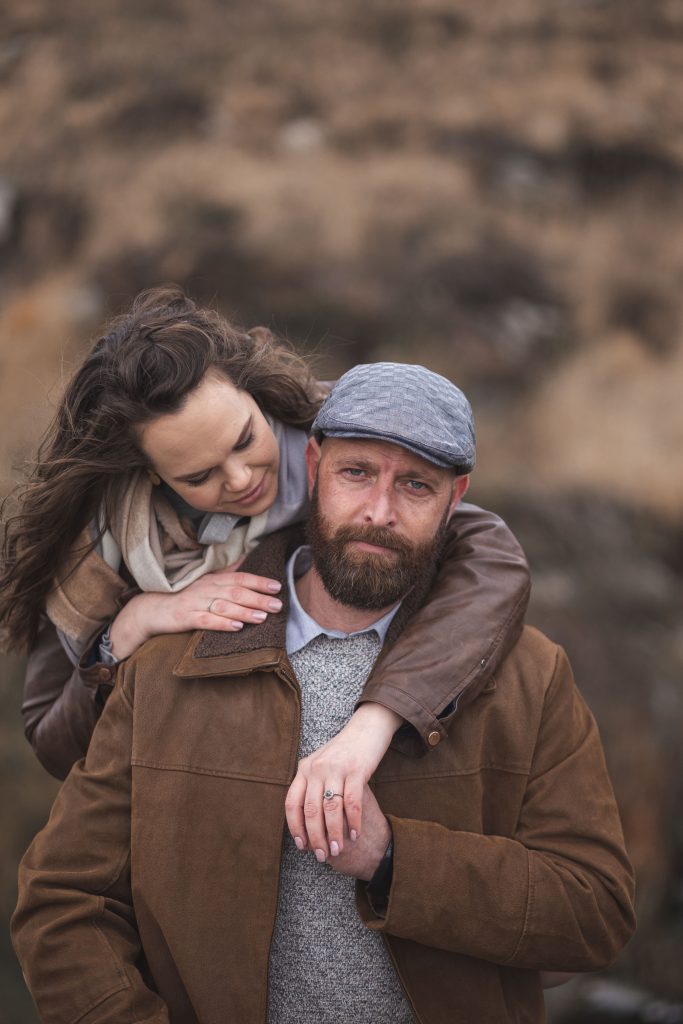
<point>379,886</point>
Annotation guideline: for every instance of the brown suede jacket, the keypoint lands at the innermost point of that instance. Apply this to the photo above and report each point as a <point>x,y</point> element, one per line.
<point>473,617</point>
<point>151,894</point>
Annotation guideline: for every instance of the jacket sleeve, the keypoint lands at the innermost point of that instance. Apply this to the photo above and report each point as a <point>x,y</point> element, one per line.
<point>74,927</point>
<point>555,896</point>
<point>61,702</point>
<point>472,619</point>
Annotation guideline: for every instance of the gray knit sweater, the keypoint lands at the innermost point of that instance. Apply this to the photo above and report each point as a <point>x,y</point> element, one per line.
<point>325,966</point>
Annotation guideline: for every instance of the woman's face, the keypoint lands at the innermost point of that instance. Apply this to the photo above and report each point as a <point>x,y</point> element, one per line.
<point>217,452</point>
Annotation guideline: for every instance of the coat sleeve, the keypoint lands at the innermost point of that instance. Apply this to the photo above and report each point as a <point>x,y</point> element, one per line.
<point>74,928</point>
<point>557,895</point>
<point>61,702</point>
<point>472,619</point>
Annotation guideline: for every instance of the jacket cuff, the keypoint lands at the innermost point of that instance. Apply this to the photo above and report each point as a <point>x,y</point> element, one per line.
<point>444,893</point>
<point>372,913</point>
<point>96,676</point>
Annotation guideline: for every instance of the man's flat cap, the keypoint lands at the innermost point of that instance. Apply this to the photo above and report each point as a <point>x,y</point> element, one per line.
<point>407,405</point>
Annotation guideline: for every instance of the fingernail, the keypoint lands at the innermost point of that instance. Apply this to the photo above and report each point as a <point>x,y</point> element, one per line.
<point>275,606</point>
<point>259,616</point>
<point>320,855</point>
<point>334,849</point>
<point>354,835</point>
<point>237,625</point>
<point>274,587</point>
<point>298,842</point>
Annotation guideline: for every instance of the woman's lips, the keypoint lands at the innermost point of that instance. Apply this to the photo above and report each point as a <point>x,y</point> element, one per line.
<point>251,496</point>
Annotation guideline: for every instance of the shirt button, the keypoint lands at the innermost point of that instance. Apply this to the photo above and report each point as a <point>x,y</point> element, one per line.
<point>104,675</point>
<point>433,738</point>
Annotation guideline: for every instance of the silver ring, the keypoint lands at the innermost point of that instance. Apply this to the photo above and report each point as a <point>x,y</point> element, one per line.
<point>329,794</point>
<point>211,602</point>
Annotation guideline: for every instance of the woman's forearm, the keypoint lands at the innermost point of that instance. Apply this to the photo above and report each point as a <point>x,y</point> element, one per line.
<point>61,704</point>
<point>471,619</point>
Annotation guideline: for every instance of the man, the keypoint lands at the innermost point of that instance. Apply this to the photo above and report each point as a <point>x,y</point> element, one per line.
<point>161,889</point>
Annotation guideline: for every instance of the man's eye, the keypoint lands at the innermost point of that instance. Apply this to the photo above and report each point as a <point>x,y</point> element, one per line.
<point>197,481</point>
<point>244,443</point>
<point>417,486</point>
<point>354,472</point>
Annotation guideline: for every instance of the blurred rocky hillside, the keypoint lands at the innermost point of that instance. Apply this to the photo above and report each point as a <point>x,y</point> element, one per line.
<point>494,190</point>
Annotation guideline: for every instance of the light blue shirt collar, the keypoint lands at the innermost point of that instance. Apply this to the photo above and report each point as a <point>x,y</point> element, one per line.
<point>301,627</point>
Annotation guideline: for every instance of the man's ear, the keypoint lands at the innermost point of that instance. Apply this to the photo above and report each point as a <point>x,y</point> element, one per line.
<point>459,490</point>
<point>313,453</point>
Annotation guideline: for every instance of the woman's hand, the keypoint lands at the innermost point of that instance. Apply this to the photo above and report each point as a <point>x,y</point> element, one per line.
<point>222,600</point>
<point>343,765</point>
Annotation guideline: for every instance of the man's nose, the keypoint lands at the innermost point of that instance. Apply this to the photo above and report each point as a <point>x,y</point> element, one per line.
<point>380,509</point>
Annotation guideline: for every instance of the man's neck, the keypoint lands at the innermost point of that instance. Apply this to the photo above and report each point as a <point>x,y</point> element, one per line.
<point>330,614</point>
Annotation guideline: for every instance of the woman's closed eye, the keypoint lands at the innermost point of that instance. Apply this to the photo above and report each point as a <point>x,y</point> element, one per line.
<point>244,442</point>
<point>197,481</point>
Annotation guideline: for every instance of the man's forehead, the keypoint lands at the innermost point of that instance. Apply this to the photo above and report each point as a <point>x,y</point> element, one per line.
<point>378,453</point>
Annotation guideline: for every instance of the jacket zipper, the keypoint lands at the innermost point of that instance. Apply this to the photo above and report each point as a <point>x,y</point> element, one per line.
<point>293,682</point>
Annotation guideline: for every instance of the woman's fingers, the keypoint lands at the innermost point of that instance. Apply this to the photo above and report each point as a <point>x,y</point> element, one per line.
<point>222,601</point>
<point>320,814</point>
<point>241,596</point>
<point>247,580</point>
<point>314,818</point>
<point>333,815</point>
<point>294,810</point>
<point>307,810</point>
<point>353,804</point>
<point>225,600</point>
<point>219,623</point>
<point>219,607</point>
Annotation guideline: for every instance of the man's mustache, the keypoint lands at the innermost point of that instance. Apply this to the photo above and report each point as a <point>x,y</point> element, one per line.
<point>378,535</point>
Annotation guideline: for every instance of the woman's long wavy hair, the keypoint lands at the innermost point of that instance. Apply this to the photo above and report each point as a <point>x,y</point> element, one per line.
<point>145,366</point>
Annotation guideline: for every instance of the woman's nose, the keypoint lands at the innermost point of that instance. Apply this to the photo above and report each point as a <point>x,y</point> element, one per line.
<point>237,475</point>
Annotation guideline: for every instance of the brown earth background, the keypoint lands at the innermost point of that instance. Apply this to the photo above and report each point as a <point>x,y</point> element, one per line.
<point>494,190</point>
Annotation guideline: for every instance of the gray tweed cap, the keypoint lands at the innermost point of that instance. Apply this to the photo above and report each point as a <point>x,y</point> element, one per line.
<point>408,405</point>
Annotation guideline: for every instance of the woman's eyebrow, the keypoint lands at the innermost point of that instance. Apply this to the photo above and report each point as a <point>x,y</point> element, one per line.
<point>244,433</point>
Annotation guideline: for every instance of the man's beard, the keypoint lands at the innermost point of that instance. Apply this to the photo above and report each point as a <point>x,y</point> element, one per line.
<point>363,579</point>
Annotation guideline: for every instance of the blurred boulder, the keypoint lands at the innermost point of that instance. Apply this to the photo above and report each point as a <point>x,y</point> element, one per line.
<point>608,587</point>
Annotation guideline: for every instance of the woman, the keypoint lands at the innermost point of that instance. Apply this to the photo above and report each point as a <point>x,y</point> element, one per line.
<point>178,444</point>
